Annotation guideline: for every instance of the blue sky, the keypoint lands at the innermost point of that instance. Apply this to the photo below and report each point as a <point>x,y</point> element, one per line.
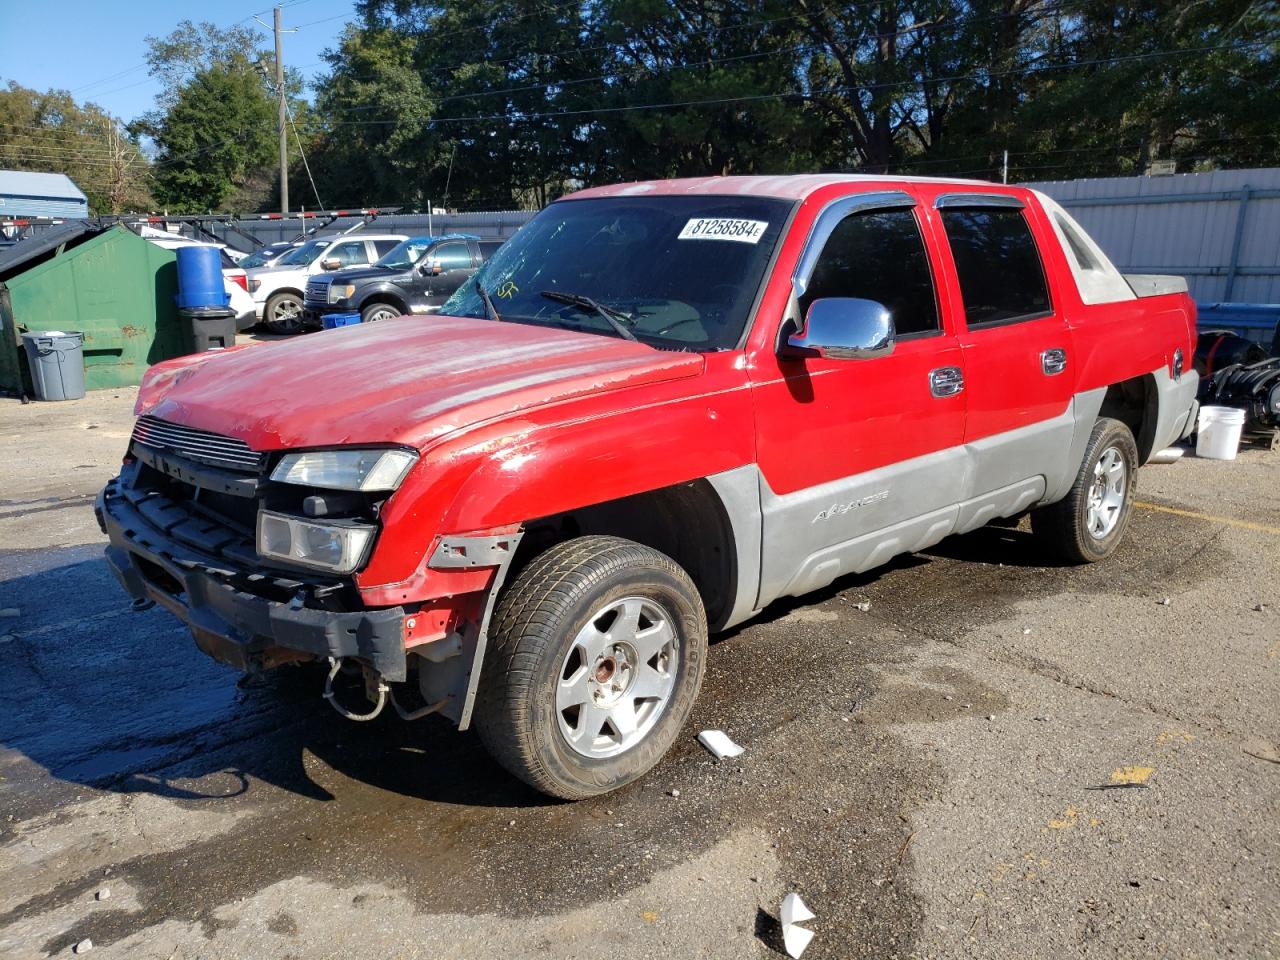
<point>95,48</point>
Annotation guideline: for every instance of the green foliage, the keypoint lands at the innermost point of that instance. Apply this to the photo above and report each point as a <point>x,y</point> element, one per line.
<point>530,98</point>
<point>215,124</point>
<point>211,140</point>
<point>50,133</point>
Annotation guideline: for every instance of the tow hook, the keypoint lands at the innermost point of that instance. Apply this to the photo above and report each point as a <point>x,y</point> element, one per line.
<point>384,694</point>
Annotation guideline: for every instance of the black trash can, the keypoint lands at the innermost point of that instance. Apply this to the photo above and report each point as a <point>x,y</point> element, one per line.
<point>208,328</point>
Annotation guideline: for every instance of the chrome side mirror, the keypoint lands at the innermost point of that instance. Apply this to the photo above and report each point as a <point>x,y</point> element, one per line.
<point>843,328</point>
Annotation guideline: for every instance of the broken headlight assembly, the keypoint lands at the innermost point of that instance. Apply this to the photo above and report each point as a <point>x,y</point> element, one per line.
<point>338,546</point>
<point>328,531</point>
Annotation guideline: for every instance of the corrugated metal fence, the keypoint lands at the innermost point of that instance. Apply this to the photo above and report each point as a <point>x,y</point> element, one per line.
<point>1220,230</point>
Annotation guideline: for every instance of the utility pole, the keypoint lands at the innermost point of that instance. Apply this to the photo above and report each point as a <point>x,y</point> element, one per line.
<point>284,153</point>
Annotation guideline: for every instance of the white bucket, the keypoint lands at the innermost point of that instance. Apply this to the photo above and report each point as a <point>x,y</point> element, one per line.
<point>1218,432</point>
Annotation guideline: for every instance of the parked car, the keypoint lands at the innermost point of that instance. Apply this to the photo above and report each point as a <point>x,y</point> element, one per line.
<point>655,411</point>
<point>417,276</point>
<point>267,253</point>
<point>277,289</point>
<point>233,275</point>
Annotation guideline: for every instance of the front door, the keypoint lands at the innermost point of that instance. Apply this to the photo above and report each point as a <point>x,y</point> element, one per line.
<point>450,266</point>
<point>861,459</point>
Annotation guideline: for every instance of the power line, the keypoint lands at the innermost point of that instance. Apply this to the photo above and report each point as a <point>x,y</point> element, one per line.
<point>811,94</point>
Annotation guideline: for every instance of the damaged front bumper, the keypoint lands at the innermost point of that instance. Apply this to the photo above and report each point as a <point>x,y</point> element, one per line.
<point>238,614</point>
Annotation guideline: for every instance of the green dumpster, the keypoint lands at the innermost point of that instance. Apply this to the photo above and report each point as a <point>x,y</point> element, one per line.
<point>116,288</point>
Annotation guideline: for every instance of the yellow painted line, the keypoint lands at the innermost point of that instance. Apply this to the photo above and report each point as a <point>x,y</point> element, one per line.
<point>1230,521</point>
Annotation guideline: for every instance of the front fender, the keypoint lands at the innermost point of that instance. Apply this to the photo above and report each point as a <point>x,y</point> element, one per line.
<point>502,475</point>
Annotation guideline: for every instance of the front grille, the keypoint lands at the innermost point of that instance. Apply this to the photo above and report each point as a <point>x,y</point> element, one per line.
<point>199,445</point>
<point>318,289</point>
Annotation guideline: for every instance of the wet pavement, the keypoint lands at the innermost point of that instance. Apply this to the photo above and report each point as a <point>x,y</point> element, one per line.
<point>997,759</point>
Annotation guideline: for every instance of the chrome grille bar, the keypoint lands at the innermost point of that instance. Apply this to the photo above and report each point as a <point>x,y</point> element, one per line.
<point>199,445</point>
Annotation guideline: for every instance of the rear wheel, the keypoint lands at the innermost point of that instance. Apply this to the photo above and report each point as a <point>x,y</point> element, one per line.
<point>283,313</point>
<point>596,654</point>
<point>1089,522</point>
<point>379,311</point>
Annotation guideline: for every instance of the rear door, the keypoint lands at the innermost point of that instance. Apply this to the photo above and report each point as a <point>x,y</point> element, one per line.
<point>1015,342</point>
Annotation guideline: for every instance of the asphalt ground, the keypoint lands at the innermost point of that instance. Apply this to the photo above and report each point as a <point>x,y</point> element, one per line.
<point>996,759</point>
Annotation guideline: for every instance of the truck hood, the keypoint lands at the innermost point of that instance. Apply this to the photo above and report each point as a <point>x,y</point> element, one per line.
<point>356,274</point>
<point>407,381</point>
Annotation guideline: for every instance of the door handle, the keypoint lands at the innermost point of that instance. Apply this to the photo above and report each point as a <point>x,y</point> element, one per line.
<point>946,381</point>
<point>1053,361</point>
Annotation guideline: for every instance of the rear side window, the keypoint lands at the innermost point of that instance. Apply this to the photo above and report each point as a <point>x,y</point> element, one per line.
<point>878,255</point>
<point>489,247</point>
<point>352,252</point>
<point>383,247</point>
<point>1001,277</point>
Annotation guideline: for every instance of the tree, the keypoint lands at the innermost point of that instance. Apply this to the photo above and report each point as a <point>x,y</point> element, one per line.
<point>215,152</point>
<point>50,133</point>
<point>210,141</point>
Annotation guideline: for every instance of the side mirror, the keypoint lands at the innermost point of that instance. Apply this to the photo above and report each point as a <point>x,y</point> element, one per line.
<point>331,263</point>
<point>843,328</point>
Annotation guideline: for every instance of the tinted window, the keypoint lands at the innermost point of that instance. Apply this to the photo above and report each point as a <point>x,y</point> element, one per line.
<point>383,247</point>
<point>489,247</point>
<point>878,256</point>
<point>998,264</point>
<point>683,270</point>
<point>452,256</point>
<point>349,253</point>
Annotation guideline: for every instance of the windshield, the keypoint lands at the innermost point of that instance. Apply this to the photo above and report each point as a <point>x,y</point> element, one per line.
<point>682,271</point>
<point>405,253</point>
<point>303,255</point>
<point>260,258</point>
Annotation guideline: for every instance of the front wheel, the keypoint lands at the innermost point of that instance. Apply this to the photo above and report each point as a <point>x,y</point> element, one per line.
<point>1089,522</point>
<point>379,311</point>
<point>283,313</point>
<point>596,654</point>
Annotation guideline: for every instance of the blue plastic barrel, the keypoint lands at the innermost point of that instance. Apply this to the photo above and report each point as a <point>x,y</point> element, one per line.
<point>200,282</point>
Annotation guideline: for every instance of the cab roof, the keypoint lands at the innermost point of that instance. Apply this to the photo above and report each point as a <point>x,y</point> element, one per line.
<point>790,187</point>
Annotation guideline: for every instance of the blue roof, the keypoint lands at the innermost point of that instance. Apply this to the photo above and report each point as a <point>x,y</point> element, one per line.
<point>444,236</point>
<point>51,186</point>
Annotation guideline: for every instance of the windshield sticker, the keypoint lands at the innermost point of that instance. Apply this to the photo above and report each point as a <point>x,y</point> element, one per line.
<point>722,228</point>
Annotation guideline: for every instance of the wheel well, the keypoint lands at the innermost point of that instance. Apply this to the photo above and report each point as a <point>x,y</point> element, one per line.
<point>290,290</point>
<point>390,299</point>
<point>1136,404</point>
<point>687,522</point>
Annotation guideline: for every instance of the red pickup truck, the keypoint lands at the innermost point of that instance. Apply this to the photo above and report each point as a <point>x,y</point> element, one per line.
<point>658,408</point>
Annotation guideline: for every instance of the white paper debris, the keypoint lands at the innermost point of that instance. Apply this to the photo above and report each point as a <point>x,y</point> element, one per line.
<point>84,946</point>
<point>718,742</point>
<point>103,894</point>
<point>795,938</point>
<point>863,605</point>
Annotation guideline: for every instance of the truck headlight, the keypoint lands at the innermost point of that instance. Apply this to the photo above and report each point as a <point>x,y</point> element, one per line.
<point>337,293</point>
<point>337,546</point>
<point>363,470</point>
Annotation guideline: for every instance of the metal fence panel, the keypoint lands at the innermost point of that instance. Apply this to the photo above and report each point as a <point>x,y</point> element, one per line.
<point>496,224</point>
<point>1220,230</point>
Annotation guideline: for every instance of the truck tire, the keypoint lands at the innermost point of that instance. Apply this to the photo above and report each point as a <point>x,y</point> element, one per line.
<point>1089,522</point>
<point>380,311</point>
<point>283,313</point>
<point>596,653</point>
